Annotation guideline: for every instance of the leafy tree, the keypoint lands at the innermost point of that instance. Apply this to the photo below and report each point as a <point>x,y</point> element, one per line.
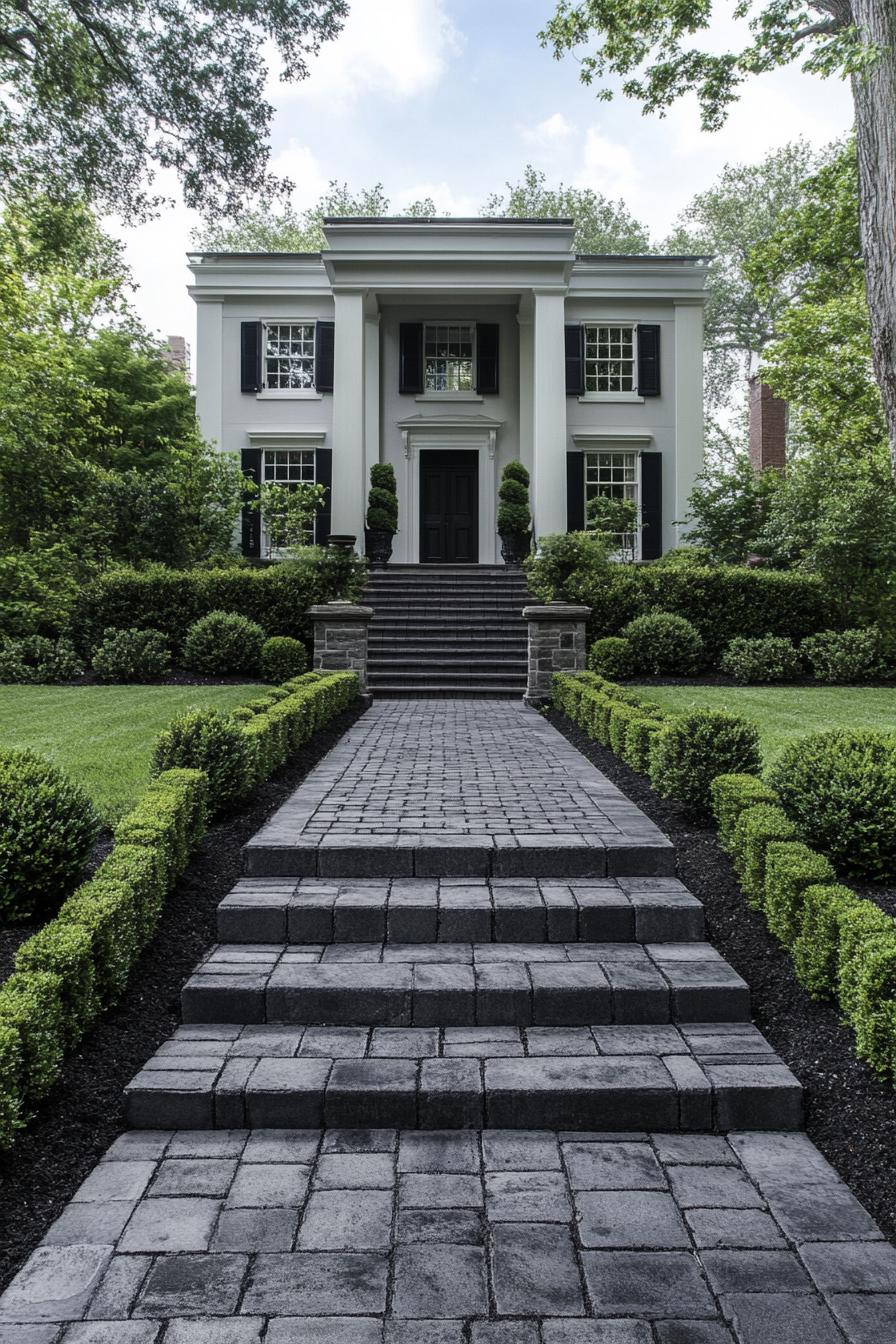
<point>728,508</point>
<point>99,97</point>
<point>601,225</point>
<point>820,359</point>
<point>285,229</point>
<point>649,47</point>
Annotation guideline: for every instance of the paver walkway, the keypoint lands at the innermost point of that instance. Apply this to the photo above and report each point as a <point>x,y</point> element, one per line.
<point>461,1110</point>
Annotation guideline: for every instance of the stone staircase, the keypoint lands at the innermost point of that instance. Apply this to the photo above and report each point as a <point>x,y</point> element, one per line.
<point>592,1004</point>
<point>447,630</point>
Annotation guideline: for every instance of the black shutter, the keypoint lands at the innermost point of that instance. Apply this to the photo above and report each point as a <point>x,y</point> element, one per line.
<point>410,357</point>
<point>323,475</point>
<point>575,492</point>
<point>487,358</point>
<point>324,335</point>
<point>651,506</point>
<point>648,360</point>
<point>250,356</point>
<point>574,338</point>
<point>250,462</point>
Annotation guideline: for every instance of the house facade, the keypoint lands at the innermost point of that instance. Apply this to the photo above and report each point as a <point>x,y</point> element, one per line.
<point>447,348</point>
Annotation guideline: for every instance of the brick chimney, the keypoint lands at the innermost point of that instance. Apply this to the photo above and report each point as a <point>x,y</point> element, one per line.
<point>768,427</point>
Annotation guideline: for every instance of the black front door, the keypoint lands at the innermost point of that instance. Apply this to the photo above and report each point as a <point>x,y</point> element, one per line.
<point>449,508</point>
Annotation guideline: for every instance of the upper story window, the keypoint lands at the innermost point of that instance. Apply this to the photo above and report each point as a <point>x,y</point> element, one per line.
<point>288,363</point>
<point>610,359</point>
<point>448,356</point>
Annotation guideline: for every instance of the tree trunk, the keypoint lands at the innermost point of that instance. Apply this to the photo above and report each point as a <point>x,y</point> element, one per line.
<point>875,102</point>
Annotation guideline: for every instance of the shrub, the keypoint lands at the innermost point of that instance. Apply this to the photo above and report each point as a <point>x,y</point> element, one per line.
<point>382,501</point>
<point>13,668</point>
<point>570,567</point>
<point>874,1015</point>
<point>611,657</point>
<point>133,656</point>
<point>47,829</point>
<point>223,642</point>
<point>107,909</point>
<point>513,499</point>
<point>790,869</point>
<point>141,869</point>
<point>864,928</point>
<point>639,738</point>
<point>686,557</point>
<point>663,644</point>
<point>36,658</point>
<point>840,789</point>
<point>282,658</point>
<point>31,1007</point>
<point>694,748</point>
<point>816,948</point>
<point>64,951</point>
<point>762,660</point>
<point>621,716</point>
<point>209,740</point>
<point>733,794</point>
<point>11,1098</point>
<point>844,655</point>
<point>277,596</point>
<point>756,828</point>
<point>169,819</point>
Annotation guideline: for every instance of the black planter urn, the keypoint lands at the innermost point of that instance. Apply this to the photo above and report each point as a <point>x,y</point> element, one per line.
<point>378,547</point>
<point>515,546</point>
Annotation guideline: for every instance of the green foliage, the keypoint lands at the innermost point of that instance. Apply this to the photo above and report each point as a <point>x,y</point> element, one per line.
<point>64,951</point>
<point>790,869</point>
<point>663,644</point>
<point>282,658</point>
<point>208,740</point>
<point>132,656</point>
<point>864,928</point>
<point>601,225</point>
<point>754,831</point>
<point>816,949</point>
<point>13,668</point>
<point>844,655</point>
<point>50,660</point>
<point>694,748</point>
<point>47,829</point>
<point>382,500</point>
<point>108,911</point>
<point>275,597</point>
<point>728,509</point>
<point>616,520</point>
<point>10,1076</point>
<point>641,733</point>
<point>620,719</point>
<point>514,515</point>
<point>840,790</point>
<point>874,1014</point>
<point>569,566</point>
<point>609,714</point>
<point>756,661</point>
<point>611,657</point>
<point>289,512</point>
<point>731,795</point>
<point>224,642</point>
<point>31,1009</point>
<point>40,588</point>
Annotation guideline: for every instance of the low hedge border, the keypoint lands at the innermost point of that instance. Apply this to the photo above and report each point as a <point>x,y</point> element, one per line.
<point>843,946</point>
<point>76,966</point>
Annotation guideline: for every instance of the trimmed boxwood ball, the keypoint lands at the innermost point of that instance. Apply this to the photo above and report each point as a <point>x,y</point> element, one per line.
<point>662,644</point>
<point>756,661</point>
<point>611,657</point>
<point>839,656</point>
<point>209,740</point>
<point>733,794</point>
<point>47,829</point>
<point>694,748</point>
<point>224,642</point>
<point>282,658</point>
<point>840,790</point>
<point>132,656</point>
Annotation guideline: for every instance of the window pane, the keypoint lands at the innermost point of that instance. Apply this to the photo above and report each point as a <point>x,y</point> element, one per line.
<point>289,355</point>
<point>609,359</point>
<point>448,357</point>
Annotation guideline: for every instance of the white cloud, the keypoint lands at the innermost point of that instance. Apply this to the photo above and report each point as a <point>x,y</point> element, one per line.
<point>446,200</point>
<point>548,133</point>
<point>395,48</point>
<point>607,166</point>
<point>297,163</point>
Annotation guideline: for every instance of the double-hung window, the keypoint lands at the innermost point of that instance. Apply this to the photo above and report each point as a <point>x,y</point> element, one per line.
<point>288,357</point>
<point>288,467</point>
<point>615,475</point>
<point>610,359</point>
<point>448,356</point>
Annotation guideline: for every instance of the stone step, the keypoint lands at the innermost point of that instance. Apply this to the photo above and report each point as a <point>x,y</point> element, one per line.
<point>600,1079</point>
<point>464,984</point>
<point>410,910</point>
<point>459,669</point>
<point>443,690</point>
<point>433,641</point>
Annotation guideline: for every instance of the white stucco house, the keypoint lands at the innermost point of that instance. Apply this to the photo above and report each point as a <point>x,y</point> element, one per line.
<point>447,347</point>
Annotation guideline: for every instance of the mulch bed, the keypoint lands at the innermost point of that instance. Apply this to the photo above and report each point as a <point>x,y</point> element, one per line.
<point>84,1113</point>
<point>850,1112</point>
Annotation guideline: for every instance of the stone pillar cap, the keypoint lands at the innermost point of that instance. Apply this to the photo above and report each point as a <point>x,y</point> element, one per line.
<point>340,611</point>
<point>557,611</point>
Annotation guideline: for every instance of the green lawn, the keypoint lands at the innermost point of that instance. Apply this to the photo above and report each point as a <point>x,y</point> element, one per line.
<point>103,736</point>
<point>783,712</point>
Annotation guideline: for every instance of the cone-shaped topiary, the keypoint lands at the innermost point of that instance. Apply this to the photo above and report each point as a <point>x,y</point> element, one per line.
<point>382,502</point>
<point>514,515</point>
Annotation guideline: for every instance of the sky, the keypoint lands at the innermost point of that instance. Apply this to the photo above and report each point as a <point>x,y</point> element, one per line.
<point>452,98</point>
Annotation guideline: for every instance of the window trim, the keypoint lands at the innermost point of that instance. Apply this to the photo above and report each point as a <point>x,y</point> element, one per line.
<point>462,394</point>
<point>639,530</point>
<point>631,397</point>
<point>278,553</point>
<point>266,393</point>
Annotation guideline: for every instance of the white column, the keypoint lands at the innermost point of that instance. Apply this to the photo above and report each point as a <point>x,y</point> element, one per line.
<point>549,415</point>
<point>371,388</point>
<point>688,416</point>
<point>527,379</point>
<point>210,369</point>
<point>348,414</point>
